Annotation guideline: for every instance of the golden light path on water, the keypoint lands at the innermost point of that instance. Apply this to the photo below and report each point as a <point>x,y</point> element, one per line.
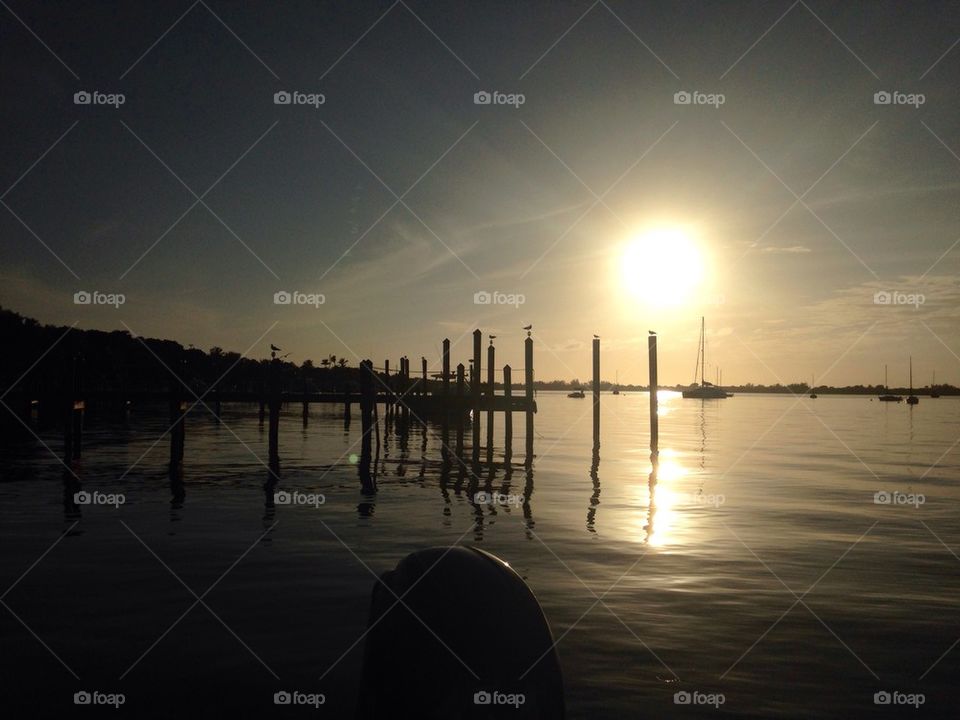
<point>663,495</point>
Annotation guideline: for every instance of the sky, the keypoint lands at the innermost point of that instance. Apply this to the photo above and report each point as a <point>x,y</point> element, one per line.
<point>588,198</point>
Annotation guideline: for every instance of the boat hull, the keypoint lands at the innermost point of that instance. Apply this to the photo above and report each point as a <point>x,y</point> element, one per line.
<point>707,393</point>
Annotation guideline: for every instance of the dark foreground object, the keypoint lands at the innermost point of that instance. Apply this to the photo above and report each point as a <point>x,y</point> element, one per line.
<point>467,640</point>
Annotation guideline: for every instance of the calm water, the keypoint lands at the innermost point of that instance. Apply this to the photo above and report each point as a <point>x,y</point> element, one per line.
<point>757,499</point>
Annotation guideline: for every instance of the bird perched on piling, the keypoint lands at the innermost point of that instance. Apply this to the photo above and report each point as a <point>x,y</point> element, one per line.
<point>492,338</point>
<point>528,328</point>
<point>596,337</point>
<point>274,350</point>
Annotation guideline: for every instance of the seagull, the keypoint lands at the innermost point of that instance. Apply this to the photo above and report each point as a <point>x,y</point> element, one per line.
<point>652,332</point>
<point>492,338</point>
<point>274,348</point>
<point>596,337</point>
<point>528,327</point>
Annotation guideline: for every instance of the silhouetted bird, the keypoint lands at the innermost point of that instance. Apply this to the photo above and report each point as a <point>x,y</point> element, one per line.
<point>528,327</point>
<point>275,348</point>
<point>596,337</point>
<point>651,332</point>
<point>492,338</point>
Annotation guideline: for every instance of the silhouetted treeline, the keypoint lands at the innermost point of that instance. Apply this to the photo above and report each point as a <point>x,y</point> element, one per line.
<point>119,361</point>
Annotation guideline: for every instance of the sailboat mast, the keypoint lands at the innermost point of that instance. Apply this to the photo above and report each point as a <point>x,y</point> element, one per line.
<point>911,374</point>
<point>884,378</point>
<point>703,349</point>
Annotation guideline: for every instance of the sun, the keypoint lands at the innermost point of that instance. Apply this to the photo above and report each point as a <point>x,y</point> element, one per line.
<point>662,266</point>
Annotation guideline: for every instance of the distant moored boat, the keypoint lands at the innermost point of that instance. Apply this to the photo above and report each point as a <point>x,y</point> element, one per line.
<point>703,390</point>
<point>885,396</point>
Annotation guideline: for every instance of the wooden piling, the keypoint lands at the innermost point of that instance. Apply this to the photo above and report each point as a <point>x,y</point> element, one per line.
<point>405,388</point>
<point>388,405</point>
<point>654,413</point>
<point>446,368</point>
<point>367,396</point>
<point>459,409</point>
<point>475,391</point>
<point>528,373</point>
<point>491,354</point>
<point>273,403</point>
<point>508,413</point>
<point>596,391</point>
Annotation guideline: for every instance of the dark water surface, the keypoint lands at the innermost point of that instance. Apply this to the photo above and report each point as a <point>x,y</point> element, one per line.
<point>757,564</point>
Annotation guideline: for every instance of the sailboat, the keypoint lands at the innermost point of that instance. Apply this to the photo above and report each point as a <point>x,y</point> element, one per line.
<point>885,396</point>
<point>616,385</point>
<point>813,395</point>
<point>911,398</point>
<point>933,386</point>
<point>703,390</point>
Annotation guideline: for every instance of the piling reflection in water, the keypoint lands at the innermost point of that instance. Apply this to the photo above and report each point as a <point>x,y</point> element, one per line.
<point>595,497</point>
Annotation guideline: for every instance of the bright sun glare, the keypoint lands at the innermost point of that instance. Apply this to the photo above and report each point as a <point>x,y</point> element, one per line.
<point>662,266</point>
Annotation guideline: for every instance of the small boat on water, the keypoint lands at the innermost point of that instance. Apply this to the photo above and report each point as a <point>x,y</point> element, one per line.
<point>912,399</point>
<point>576,394</point>
<point>813,394</point>
<point>616,385</point>
<point>703,390</point>
<point>934,393</point>
<point>885,396</point>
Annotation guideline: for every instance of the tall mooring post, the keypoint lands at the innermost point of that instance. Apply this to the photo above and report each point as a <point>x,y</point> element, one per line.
<point>654,412</point>
<point>446,369</point>
<point>596,392</point>
<point>508,412</point>
<point>491,380</point>
<point>475,391</point>
<point>387,404</point>
<point>528,380</point>
<point>459,408</point>
<point>368,398</point>
<point>423,368</point>
<point>273,402</point>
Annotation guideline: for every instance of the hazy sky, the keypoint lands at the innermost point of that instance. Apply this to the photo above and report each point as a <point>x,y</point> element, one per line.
<point>399,197</point>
